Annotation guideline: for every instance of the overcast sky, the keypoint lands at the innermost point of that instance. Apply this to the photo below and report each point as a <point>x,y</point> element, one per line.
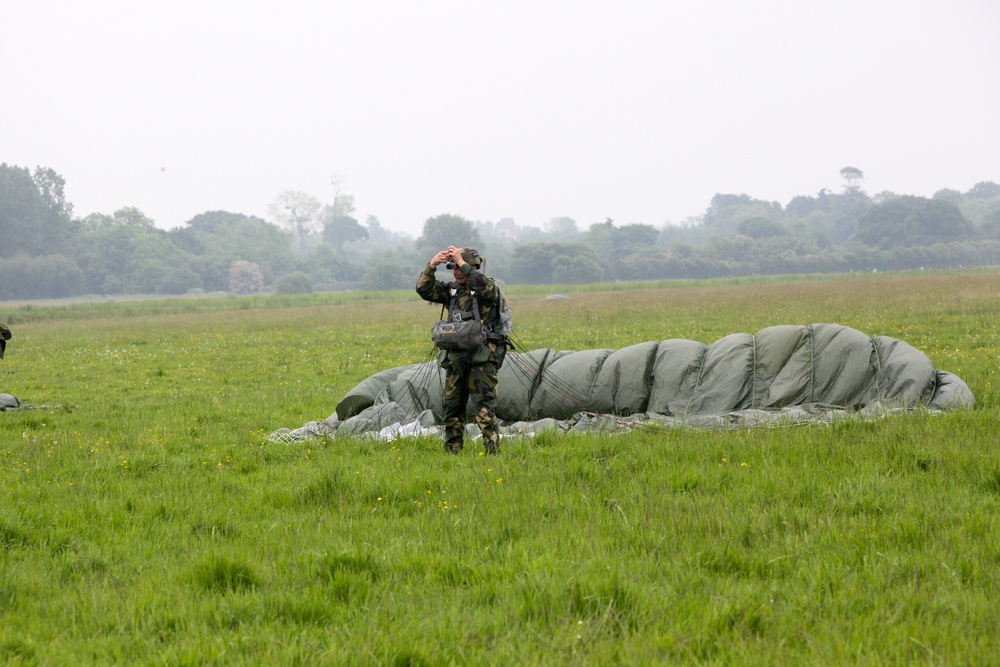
<point>637,111</point>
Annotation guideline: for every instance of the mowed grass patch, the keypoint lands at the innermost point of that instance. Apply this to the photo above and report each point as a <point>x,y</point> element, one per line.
<point>148,520</point>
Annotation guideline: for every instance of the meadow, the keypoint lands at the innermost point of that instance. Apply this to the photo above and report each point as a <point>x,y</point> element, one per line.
<point>147,519</point>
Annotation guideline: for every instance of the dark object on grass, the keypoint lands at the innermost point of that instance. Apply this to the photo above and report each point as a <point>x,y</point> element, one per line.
<point>4,337</point>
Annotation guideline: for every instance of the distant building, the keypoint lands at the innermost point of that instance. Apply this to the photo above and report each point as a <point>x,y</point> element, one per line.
<point>506,228</point>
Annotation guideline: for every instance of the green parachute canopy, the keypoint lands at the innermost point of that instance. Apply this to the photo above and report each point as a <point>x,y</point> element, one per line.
<point>821,371</point>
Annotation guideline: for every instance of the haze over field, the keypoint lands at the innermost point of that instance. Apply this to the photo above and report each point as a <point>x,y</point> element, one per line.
<point>637,111</point>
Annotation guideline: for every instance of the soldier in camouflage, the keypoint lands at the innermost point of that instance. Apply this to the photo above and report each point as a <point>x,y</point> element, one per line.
<point>469,374</point>
<point>4,337</point>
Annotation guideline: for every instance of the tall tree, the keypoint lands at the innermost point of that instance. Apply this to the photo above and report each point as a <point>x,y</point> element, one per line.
<point>298,212</point>
<point>883,225</point>
<point>444,230</point>
<point>561,227</point>
<point>376,232</point>
<point>601,237</point>
<point>937,221</point>
<point>35,217</point>
<point>341,229</point>
<point>125,252</point>
<point>853,176</point>
<point>343,204</point>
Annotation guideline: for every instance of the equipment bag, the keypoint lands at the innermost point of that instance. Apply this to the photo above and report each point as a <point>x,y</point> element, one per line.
<point>464,335</point>
<point>462,330</point>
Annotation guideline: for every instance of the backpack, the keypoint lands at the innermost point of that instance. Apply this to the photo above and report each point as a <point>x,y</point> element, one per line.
<point>504,322</point>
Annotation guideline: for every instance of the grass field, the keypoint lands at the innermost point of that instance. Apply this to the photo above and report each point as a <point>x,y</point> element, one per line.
<point>146,519</point>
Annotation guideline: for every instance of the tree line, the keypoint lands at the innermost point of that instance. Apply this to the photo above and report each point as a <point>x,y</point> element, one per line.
<point>306,245</point>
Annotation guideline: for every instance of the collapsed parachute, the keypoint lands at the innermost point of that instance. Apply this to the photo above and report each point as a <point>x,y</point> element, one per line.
<point>799,373</point>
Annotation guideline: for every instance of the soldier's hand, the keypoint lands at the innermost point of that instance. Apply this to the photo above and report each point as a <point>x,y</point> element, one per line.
<point>440,258</point>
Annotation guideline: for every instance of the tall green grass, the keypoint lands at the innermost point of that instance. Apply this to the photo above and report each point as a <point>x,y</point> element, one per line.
<point>145,518</point>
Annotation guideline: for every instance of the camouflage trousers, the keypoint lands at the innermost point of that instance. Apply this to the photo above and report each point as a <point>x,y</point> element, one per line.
<point>478,383</point>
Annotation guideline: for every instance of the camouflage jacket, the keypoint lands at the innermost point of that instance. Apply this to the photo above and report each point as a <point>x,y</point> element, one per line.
<point>437,291</point>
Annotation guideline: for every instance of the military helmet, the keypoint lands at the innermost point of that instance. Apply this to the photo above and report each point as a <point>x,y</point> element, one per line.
<point>471,256</point>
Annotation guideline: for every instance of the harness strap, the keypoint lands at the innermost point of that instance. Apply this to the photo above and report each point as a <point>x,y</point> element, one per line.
<point>489,327</point>
<point>452,309</point>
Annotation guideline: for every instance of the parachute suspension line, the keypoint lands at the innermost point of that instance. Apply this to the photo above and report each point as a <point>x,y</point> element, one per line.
<point>558,386</point>
<point>422,377</point>
<point>526,376</point>
<point>516,343</point>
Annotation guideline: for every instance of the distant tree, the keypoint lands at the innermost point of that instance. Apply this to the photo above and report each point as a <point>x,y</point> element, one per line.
<point>245,278</point>
<point>949,195</point>
<point>298,212</point>
<point>786,245</point>
<point>216,239</point>
<point>325,266</point>
<point>601,237</point>
<point>125,253</point>
<point>853,176</point>
<point>937,221</point>
<point>58,212</point>
<point>343,204</point>
<point>214,222</point>
<point>20,212</point>
<point>35,217</point>
<point>725,248</point>
<point>911,221</point>
<point>990,228</point>
<point>444,230</point>
<point>629,239</point>
<point>725,211</point>
<point>760,228</point>
<point>562,227</point>
<point>542,263</point>
<point>984,190</point>
<point>884,225</point>
<point>884,196</point>
<point>40,277</point>
<point>744,246</point>
<point>295,282</point>
<point>376,232</point>
<point>342,229</point>
<point>828,218</point>
<point>386,274</point>
<point>612,243</point>
<point>804,205</point>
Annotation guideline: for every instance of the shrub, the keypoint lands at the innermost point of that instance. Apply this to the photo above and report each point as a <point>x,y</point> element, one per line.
<point>296,282</point>
<point>245,278</point>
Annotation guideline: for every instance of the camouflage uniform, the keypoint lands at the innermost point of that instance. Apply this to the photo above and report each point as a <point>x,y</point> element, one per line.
<point>469,374</point>
<point>4,337</point>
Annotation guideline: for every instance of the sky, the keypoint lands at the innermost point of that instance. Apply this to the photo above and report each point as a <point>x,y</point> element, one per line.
<point>638,111</point>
